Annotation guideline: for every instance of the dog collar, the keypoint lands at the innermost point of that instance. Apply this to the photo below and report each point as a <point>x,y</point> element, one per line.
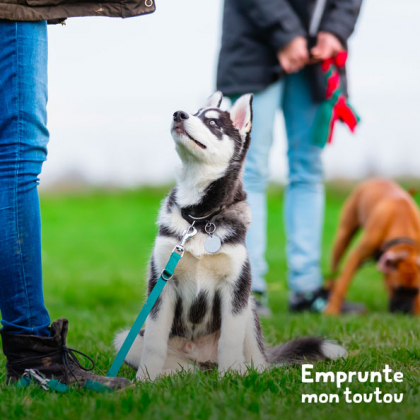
<point>393,242</point>
<point>198,220</point>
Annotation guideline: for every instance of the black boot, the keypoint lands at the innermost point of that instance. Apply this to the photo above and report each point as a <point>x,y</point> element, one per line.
<point>53,359</point>
<point>317,301</point>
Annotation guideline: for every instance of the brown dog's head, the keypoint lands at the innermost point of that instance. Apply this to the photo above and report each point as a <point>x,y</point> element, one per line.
<point>402,275</point>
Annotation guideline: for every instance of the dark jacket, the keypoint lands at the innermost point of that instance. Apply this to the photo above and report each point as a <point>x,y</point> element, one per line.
<point>255,30</point>
<point>58,10</point>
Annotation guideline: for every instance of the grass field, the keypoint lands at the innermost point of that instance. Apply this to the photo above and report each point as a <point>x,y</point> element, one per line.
<point>95,249</point>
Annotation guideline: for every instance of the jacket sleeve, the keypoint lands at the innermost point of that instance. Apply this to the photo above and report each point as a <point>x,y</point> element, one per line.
<point>340,18</point>
<point>276,20</point>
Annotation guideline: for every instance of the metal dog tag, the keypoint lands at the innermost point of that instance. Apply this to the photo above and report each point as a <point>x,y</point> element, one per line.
<point>212,244</point>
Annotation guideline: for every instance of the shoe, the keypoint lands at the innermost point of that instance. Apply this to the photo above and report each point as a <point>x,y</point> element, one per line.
<point>317,301</point>
<point>45,358</point>
<point>261,304</point>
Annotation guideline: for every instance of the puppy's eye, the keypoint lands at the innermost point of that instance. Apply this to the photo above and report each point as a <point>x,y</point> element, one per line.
<point>213,123</point>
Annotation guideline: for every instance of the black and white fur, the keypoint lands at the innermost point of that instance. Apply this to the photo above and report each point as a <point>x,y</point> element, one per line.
<point>206,314</point>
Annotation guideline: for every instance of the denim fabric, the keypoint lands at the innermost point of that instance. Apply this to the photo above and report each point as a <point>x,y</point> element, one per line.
<point>23,149</point>
<point>304,196</point>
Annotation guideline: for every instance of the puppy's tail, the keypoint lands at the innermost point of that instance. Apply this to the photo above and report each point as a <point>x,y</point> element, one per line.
<point>133,357</point>
<point>304,350</point>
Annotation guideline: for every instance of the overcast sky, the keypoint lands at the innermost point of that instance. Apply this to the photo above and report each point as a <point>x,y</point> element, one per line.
<point>115,83</point>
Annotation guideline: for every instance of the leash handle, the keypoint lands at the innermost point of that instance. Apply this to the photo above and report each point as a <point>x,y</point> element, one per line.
<point>167,273</point>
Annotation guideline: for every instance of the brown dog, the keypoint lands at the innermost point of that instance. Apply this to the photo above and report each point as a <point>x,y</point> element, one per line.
<point>391,223</point>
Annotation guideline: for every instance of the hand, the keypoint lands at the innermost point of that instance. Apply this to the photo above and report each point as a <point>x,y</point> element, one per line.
<point>294,56</point>
<point>327,46</point>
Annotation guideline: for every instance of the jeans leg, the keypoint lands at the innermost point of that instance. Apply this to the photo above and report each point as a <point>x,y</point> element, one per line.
<point>256,176</point>
<point>304,197</point>
<point>23,149</point>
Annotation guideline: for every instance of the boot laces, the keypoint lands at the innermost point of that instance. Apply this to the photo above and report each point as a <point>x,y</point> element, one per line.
<point>69,358</point>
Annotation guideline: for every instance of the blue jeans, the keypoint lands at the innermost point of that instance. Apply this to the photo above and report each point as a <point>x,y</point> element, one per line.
<point>304,196</point>
<point>23,149</point>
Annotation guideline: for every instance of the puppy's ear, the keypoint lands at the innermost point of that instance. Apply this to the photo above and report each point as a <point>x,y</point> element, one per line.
<point>215,100</point>
<point>241,114</point>
<point>389,261</point>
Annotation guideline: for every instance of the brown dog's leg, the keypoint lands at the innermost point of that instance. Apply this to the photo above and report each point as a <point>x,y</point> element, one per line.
<point>367,246</point>
<point>341,284</point>
<point>416,307</point>
<point>348,226</point>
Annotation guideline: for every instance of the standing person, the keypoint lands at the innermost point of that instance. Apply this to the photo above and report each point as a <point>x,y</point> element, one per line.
<point>29,342</point>
<point>265,51</point>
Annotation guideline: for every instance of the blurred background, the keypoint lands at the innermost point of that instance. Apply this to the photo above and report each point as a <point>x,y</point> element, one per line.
<point>114,85</point>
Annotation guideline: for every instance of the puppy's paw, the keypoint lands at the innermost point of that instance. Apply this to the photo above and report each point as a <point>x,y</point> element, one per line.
<point>238,367</point>
<point>145,375</point>
<point>261,367</point>
<point>142,375</point>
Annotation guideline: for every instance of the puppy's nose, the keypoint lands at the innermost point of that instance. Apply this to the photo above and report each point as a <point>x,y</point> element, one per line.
<point>180,115</point>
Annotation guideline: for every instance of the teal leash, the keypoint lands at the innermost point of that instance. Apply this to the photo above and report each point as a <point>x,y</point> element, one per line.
<point>33,376</point>
<point>167,274</point>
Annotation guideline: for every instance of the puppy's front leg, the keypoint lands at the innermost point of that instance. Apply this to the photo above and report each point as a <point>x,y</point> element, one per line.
<point>235,299</point>
<point>254,343</point>
<point>230,354</point>
<point>156,336</point>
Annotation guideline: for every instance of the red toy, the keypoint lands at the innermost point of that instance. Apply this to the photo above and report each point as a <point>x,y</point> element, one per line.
<point>336,106</point>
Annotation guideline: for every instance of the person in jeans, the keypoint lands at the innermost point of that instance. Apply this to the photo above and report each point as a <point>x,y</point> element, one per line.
<point>265,51</point>
<point>29,341</point>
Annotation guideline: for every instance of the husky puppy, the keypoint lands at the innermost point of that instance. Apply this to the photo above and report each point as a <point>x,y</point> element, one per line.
<point>206,314</point>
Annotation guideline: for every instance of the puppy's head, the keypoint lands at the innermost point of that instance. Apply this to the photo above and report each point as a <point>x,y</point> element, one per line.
<point>212,136</point>
<point>402,275</point>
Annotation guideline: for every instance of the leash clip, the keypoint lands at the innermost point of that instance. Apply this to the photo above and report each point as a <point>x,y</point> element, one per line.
<point>32,373</point>
<point>187,234</point>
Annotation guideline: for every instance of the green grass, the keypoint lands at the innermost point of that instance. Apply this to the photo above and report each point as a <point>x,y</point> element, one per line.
<point>96,248</point>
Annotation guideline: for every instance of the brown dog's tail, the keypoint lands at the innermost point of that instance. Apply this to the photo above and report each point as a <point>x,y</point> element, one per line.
<point>303,350</point>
